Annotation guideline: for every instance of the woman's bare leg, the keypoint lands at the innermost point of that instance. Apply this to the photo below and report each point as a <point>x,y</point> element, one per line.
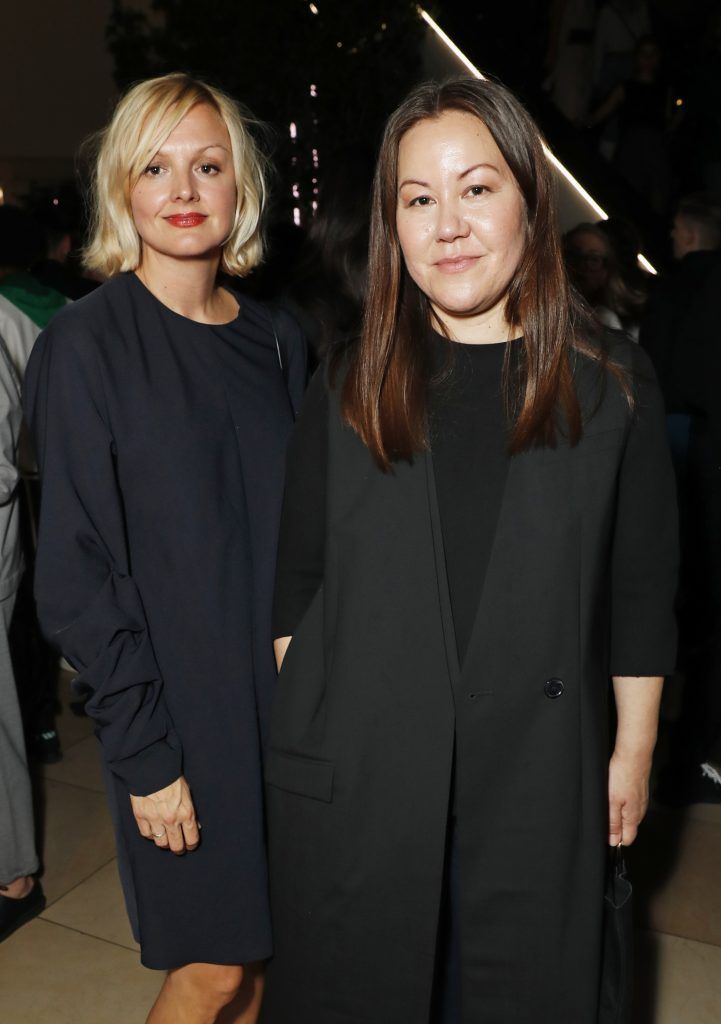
<point>196,993</point>
<point>245,1007</point>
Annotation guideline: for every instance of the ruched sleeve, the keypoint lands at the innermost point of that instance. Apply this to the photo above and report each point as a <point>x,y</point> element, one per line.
<point>89,605</point>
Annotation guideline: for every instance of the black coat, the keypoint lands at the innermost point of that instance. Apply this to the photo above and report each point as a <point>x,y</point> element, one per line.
<point>161,445</point>
<point>371,701</point>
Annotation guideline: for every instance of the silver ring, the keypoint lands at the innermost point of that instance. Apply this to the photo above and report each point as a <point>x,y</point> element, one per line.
<point>158,835</point>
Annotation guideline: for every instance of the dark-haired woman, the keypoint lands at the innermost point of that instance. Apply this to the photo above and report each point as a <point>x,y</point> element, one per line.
<point>593,267</point>
<point>478,533</point>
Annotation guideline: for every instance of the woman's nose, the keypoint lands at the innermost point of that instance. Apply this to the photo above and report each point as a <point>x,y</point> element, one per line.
<point>185,188</point>
<point>451,224</point>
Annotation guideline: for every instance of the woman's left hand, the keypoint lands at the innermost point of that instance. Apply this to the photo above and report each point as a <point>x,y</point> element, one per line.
<point>627,797</point>
<point>168,817</point>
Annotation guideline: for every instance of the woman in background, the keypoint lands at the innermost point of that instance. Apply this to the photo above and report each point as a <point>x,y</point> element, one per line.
<point>160,410</point>
<point>594,270</point>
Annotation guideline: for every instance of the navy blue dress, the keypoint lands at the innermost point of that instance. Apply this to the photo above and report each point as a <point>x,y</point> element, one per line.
<point>161,444</point>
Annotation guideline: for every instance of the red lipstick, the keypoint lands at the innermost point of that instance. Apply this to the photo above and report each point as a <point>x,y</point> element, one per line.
<point>186,220</point>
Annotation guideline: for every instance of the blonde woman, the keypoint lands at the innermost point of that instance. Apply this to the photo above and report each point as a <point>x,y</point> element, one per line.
<point>160,406</point>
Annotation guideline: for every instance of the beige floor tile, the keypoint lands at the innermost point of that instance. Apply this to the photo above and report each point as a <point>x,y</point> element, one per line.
<point>78,836</point>
<point>52,975</point>
<point>703,812</point>
<point>677,981</point>
<point>675,869</point>
<point>96,907</point>
<point>80,766</point>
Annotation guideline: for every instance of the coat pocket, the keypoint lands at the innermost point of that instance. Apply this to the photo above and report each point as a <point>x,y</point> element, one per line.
<point>303,776</point>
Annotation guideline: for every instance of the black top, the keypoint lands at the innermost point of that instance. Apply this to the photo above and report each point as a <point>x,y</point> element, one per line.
<point>469,435</point>
<point>161,444</point>
<point>469,440</point>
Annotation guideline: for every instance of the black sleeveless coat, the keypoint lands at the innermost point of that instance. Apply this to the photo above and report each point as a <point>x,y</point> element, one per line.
<point>371,703</point>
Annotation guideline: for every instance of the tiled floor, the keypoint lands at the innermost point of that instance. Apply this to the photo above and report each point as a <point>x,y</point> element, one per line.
<point>78,964</point>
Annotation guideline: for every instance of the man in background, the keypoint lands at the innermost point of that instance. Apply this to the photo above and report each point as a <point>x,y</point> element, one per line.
<point>682,333</point>
<point>21,895</point>
<point>26,307</point>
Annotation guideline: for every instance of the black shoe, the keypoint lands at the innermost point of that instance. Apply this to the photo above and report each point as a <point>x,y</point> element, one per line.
<point>44,747</point>
<point>15,913</point>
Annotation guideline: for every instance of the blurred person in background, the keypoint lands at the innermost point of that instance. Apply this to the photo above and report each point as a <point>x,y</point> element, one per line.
<point>619,26</point>
<point>161,405</point>
<point>26,307</point>
<point>626,242</point>
<point>328,288</point>
<point>680,331</point>
<point>59,218</point>
<point>669,320</point>
<point>642,104</point>
<point>570,46</point>
<point>21,895</point>
<point>594,270</point>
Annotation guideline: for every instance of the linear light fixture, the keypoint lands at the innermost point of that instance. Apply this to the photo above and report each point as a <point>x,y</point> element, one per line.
<point>573,182</point>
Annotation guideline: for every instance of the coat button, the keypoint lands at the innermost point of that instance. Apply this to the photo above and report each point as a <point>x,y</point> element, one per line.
<point>553,688</point>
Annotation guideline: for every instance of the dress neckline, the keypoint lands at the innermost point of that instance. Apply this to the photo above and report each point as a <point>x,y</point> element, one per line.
<point>466,346</point>
<point>186,319</point>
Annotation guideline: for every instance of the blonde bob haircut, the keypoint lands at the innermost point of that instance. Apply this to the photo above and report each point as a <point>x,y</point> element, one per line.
<point>143,120</point>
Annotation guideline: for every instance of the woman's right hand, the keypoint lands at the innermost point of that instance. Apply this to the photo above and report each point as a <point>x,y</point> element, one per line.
<point>168,817</point>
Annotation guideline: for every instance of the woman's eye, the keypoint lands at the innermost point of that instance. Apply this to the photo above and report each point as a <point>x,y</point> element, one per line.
<point>153,170</point>
<point>420,201</point>
<point>477,190</point>
<point>209,168</point>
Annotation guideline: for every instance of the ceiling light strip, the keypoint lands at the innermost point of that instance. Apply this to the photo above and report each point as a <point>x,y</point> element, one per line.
<point>576,185</point>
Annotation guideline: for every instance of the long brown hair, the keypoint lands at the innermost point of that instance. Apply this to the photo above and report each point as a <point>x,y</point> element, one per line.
<point>384,392</point>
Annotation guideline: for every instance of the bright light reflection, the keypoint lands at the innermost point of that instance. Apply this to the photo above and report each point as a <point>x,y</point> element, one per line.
<point>293,130</point>
<point>450,44</point>
<point>314,9</point>
<point>645,264</point>
<point>296,216</point>
<point>576,184</point>
<point>580,190</point>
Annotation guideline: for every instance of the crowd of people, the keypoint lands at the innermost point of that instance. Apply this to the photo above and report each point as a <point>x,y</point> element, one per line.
<point>610,73</point>
<point>459,557</point>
